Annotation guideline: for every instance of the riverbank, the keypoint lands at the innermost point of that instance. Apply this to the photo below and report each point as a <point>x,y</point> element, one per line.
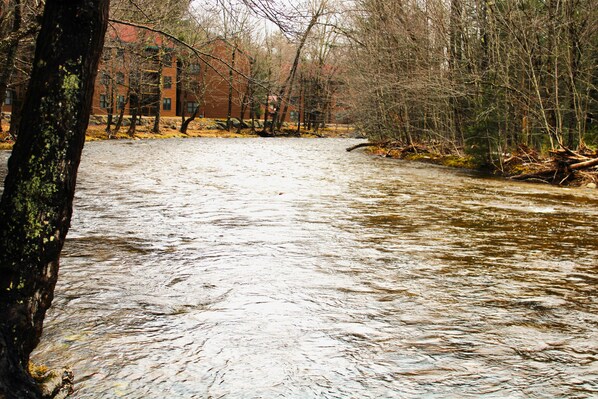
<point>201,127</point>
<point>560,167</point>
<point>563,167</point>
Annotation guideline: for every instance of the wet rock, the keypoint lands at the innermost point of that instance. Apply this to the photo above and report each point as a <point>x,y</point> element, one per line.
<point>238,123</point>
<point>221,125</point>
<point>56,384</point>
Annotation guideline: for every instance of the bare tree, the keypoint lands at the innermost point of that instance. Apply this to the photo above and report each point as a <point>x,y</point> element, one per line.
<point>476,76</point>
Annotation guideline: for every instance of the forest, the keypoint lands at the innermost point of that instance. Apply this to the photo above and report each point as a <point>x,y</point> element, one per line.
<point>488,78</point>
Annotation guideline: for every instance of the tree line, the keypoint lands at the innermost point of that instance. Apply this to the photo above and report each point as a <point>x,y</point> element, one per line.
<point>480,76</point>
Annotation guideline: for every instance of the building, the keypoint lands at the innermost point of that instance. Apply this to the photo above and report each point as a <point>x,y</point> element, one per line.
<point>137,74</point>
<point>141,71</point>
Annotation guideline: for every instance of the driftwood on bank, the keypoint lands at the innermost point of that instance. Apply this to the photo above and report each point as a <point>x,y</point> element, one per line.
<point>362,145</point>
<point>565,162</point>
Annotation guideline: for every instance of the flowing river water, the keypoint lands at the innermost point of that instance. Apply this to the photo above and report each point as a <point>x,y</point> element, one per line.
<point>267,268</point>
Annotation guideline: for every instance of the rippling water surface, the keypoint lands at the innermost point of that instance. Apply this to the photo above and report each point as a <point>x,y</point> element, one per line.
<point>265,268</point>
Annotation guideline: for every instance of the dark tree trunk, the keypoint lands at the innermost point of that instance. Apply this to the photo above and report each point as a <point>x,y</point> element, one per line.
<point>109,119</point>
<point>183,109</point>
<point>156,128</point>
<point>299,103</point>
<point>121,113</point>
<point>266,113</point>
<point>252,113</point>
<point>242,114</point>
<point>285,109</point>
<point>36,206</point>
<point>267,108</point>
<point>133,125</point>
<point>186,122</point>
<point>110,116</point>
<point>251,93</point>
<point>230,90</point>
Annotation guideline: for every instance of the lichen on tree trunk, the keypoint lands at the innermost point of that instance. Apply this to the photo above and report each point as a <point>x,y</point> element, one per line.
<point>36,205</point>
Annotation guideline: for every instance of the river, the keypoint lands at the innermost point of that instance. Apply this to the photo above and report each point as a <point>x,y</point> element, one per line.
<point>288,268</point>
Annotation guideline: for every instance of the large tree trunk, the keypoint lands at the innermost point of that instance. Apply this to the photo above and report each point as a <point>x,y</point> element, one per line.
<point>36,205</point>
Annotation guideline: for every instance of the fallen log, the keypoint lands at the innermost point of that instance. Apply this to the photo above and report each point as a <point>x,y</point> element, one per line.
<point>584,165</point>
<point>362,145</point>
<point>562,169</point>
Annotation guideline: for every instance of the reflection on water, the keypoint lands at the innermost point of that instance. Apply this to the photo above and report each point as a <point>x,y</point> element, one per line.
<point>266,268</point>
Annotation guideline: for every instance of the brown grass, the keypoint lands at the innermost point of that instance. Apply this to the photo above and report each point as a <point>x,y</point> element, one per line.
<point>169,128</point>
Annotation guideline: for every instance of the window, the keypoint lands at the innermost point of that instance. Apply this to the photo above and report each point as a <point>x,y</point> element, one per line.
<point>120,53</point>
<point>194,68</point>
<point>134,79</point>
<point>121,102</point>
<point>105,79</point>
<point>9,99</point>
<point>191,107</point>
<point>120,78</point>
<point>167,104</point>
<point>103,101</point>
<point>167,59</point>
<point>167,82</point>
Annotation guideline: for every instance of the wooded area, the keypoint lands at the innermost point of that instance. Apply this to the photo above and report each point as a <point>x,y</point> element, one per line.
<point>476,76</point>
